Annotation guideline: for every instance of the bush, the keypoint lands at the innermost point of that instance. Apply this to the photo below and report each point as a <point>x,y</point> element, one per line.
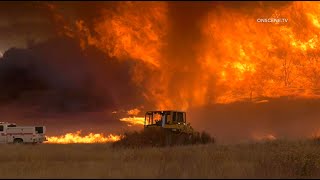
<point>158,137</point>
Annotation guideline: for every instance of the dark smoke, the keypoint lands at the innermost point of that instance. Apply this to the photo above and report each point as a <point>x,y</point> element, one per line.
<point>57,75</point>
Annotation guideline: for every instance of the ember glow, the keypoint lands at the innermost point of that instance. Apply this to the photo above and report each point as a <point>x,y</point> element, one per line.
<point>315,134</point>
<point>78,138</point>
<point>266,137</point>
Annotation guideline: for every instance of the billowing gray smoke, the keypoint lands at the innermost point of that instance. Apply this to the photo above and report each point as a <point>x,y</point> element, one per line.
<point>58,75</point>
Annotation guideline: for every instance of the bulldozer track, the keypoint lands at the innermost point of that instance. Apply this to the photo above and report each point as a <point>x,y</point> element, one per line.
<point>170,130</point>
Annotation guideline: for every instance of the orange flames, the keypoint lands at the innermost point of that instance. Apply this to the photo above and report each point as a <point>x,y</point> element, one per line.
<point>133,120</point>
<point>133,112</point>
<point>134,30</point>
<point>255,59</point>
<point>77,138</point>
<point>237,59</point>
<point>265,137</point>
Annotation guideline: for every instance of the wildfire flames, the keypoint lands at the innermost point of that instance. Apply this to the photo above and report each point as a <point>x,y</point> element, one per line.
<point>232,57</point>
<point>264,59</point>
<point>238,59</point>
<point>133,120</point>
<point>77,138</point>
<point>134,112</point>
<point>134,29</point>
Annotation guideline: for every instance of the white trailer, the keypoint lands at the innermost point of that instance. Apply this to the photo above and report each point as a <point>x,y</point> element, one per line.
<point>11,133</point>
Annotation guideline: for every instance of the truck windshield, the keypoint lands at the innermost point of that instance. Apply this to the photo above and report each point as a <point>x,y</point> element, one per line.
<point>39,130</point>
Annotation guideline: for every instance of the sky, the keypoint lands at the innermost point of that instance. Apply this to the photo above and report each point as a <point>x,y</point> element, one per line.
<point>21,22</point>
<point>31,21</point>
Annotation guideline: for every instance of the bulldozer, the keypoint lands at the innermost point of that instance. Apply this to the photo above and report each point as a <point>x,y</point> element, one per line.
<point>165,128</point>
<point>170,125</point>
<point>174,121</point>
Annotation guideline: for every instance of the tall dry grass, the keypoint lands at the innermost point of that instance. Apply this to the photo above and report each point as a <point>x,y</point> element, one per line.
<point>277,159</point>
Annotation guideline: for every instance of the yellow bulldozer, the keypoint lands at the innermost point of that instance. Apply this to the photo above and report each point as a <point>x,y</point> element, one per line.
<point>165,128</point>
<point>169,126</point>
<point>174,121</point>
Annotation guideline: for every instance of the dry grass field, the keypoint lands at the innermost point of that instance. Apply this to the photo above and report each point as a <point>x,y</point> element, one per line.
<point>276,159</point>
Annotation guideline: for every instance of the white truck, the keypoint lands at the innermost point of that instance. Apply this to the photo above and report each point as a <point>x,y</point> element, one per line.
<point>11,133</point>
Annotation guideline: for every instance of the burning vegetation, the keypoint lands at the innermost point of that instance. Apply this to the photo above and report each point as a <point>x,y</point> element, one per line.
<point>78,138</point>
<point>259,60</point>
<point>176,55</point>
<point>264,59</point>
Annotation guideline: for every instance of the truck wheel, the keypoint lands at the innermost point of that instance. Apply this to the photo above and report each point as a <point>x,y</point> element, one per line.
<point>17,141</point>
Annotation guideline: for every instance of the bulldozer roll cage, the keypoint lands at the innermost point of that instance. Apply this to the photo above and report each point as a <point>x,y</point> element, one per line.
<point>162,118</point>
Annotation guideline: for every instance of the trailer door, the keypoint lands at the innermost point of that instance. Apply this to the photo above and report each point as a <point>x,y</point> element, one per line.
<point>2,134</point>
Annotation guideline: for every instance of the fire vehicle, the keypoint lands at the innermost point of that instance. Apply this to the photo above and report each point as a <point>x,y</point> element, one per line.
<point>11,133</point>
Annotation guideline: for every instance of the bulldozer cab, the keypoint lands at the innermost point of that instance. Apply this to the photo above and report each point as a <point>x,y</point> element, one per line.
<point>163,118</point>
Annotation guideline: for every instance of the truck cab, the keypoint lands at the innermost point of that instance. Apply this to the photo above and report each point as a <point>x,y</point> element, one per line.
<point>3,130</point>
<point>162,118</point>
